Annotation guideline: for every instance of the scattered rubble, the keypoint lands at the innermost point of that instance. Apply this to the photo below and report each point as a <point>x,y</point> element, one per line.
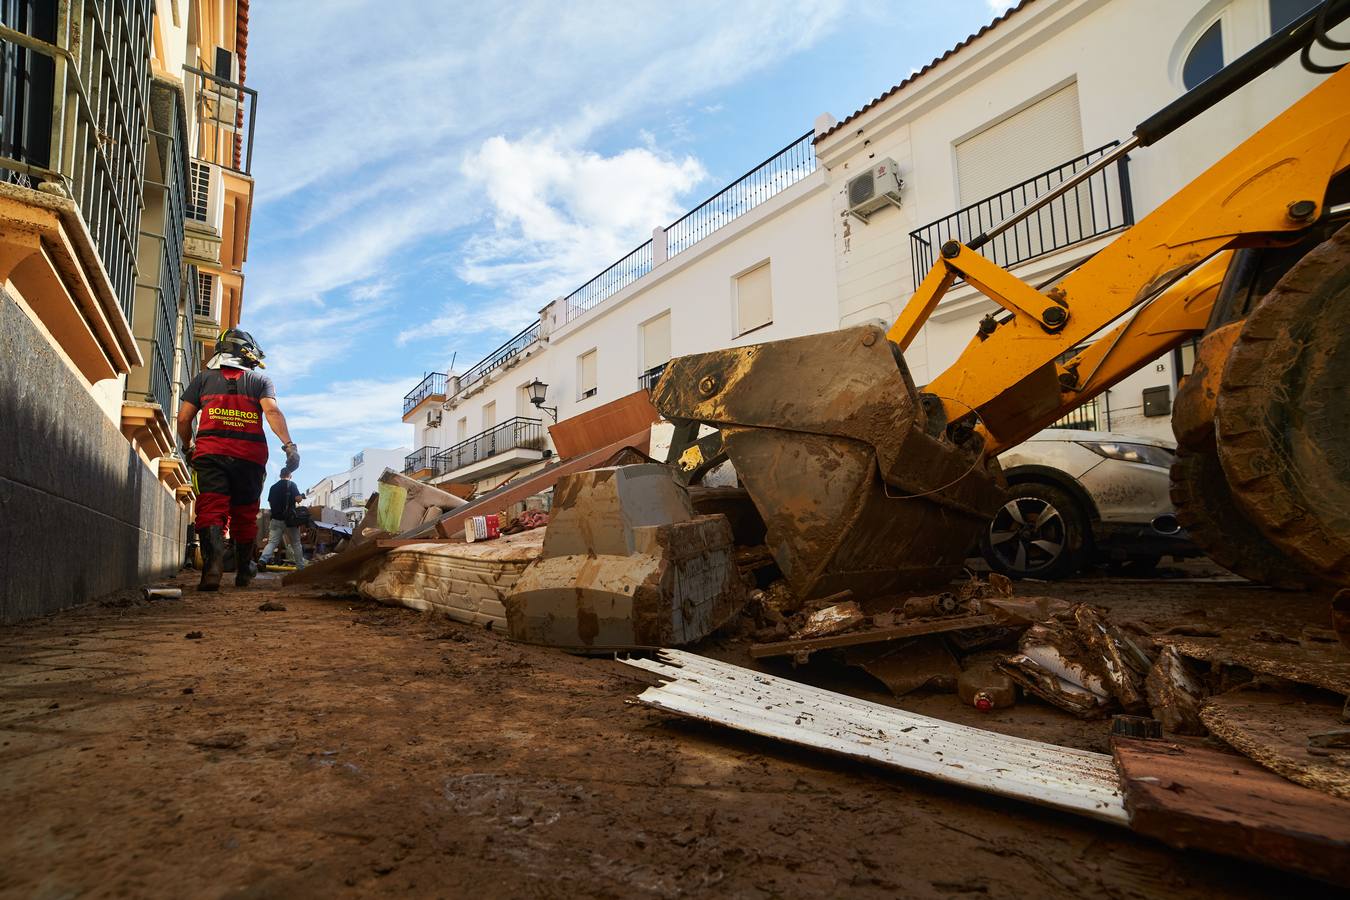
<point>626,564</point>
<point>831,620</point>
<point>1274,728</point>
<point>1175,693</point>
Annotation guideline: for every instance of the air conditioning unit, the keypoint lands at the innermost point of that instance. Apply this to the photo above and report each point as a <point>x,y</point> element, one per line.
<point>433,418</point>
<point>877,187</point>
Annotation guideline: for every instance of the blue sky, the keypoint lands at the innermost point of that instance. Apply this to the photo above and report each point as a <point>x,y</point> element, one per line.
<point>427,181</point>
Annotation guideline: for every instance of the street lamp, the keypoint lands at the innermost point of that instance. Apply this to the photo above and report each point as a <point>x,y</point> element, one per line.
<point>538,391</point>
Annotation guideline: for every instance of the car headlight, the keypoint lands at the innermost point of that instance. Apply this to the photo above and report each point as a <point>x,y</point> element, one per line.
<point>1147,454</point>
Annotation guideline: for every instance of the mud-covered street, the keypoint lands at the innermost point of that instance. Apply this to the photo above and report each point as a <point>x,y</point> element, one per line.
<point>343,748</point>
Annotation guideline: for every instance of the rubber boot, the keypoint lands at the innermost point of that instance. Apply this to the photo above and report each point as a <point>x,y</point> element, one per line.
<point>213,557</point>
<point>244,569</point>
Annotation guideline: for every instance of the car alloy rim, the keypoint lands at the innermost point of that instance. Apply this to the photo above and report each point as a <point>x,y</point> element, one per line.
<point>1027,534</point>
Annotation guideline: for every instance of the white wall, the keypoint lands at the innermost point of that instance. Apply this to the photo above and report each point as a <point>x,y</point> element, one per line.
<point>1125,56</point>
<point>791,231</point>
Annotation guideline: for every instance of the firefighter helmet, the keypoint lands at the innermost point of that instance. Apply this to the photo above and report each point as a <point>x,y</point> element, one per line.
<point>240,344</point>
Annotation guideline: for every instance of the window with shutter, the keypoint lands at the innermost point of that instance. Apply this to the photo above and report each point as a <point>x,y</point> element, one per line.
<point>200,183</point>
<point>462,429</point>
<point>586,384</point>
<point>1046,134</point>
<point>754,300</point>
<point>1040,139</point>
<point>206,295</point>
<point>489,415</point>
<point>656,342</point>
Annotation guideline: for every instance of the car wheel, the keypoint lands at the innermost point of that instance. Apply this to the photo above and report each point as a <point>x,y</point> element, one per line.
<point>1038,533</point>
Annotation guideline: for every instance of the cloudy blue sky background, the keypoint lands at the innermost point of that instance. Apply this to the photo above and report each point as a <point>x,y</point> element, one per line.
<point>429,175</point>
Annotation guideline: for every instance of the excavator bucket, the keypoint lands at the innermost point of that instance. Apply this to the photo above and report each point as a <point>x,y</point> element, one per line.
<point>860,482</point>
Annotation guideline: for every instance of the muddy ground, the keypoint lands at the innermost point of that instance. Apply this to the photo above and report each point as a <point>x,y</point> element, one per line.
<point>340,748</point>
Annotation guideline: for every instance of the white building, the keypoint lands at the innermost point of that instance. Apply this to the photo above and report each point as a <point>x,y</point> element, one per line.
<point>348,490</point>
<point>1009,112</point>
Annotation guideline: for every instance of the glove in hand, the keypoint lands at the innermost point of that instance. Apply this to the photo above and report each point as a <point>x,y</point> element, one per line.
<point>292,456</point>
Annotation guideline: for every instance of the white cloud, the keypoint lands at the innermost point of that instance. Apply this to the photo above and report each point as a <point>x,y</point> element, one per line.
<point>361,143</point>
<point>573,210</point>
<point>345,417</point>
<point>999,7</point>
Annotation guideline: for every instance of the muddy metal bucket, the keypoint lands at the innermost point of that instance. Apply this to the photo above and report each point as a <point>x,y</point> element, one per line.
<point>858,480</point>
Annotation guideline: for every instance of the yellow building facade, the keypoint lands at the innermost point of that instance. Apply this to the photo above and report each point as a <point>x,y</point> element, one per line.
<point>126,134</point>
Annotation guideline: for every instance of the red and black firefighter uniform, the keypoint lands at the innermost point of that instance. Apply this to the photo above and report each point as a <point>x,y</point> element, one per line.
<point>229,455</point>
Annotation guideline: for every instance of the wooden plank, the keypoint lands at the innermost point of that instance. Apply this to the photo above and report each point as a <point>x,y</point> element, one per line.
<point>872,636</point>
<point>1273,728</point>
<point>391,543</point>
<point>603,425</point>
<point>1190,796</point>
<point>452,525</point>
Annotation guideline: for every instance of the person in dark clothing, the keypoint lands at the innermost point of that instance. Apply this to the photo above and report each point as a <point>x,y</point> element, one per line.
<point>229,451</point>
<point>282,499</point>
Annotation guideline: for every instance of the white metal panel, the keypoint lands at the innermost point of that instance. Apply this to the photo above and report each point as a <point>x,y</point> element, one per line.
<point>1046,134</point>
<point>754,299</point>
<point>1077,781</point>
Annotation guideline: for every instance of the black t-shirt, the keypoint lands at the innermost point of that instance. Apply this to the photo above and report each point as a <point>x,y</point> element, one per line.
<point>281,498</point>
<point>251,384</point>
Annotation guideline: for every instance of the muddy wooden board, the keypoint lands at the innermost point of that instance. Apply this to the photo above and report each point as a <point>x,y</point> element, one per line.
<point>1273,728</point>
<point>871,636</point>
<point>1324,665</point>
<point>1190,796</point>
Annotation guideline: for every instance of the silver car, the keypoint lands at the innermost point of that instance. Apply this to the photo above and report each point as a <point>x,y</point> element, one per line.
<point>1077,498</point>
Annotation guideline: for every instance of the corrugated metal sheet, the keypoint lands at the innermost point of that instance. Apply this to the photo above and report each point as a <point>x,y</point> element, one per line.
<point>1076,781</point>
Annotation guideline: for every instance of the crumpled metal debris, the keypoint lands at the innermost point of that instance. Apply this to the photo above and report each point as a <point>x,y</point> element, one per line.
<point>832,620</point>
<point>1080,662</point>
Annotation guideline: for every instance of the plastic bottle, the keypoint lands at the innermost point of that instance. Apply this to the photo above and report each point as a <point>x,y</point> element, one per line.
<point>986,688</point>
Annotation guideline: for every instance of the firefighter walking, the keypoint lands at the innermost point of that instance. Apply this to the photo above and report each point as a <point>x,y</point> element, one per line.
<point>229,454</point>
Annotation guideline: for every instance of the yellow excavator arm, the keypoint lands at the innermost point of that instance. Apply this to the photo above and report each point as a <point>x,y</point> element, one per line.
<point>866,482</point>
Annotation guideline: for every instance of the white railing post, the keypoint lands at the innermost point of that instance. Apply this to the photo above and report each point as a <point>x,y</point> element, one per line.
<point>660,251</point>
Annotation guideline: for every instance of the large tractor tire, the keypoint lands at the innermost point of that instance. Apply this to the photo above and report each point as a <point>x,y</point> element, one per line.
<point>1205,508</point>
<point>1282,419</point>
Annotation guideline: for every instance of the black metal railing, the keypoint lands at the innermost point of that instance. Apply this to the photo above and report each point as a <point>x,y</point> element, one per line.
<point>225,114</point>
<point>774,175</point>
<point>519,433</point>
<point>499,357</point>
<point>648,379</point>
<point>433,385</point>
<point>780,171</point>
<point>626,270</point>
<point>74,100</point>
<point>1099,205</point>
<point>1085,418</point>
<point>160,261</point>
<point>419,459</point>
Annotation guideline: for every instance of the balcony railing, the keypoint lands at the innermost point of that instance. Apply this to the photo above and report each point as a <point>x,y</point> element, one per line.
<point>419,459</point>
<point>74,101</point>
<point>432,386</point>
<point>648,379</point>
<point>499,357</point>
<point>1087,417</point>
<point>1099,205</point>
<point>777,173</point>
<point>225,113</point>
<point>514,434</point>
<point>165,247</point>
